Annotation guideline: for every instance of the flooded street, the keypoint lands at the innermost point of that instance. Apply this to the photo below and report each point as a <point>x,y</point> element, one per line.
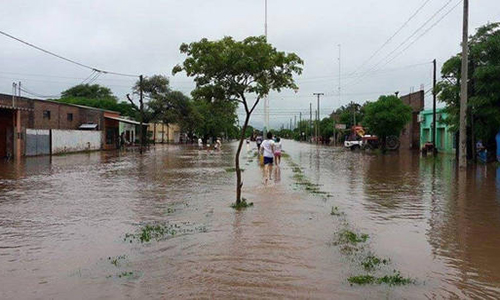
<point>70,226</point>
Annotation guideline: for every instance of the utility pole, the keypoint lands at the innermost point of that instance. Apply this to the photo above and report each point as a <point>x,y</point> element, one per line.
<point>290,123</point>
<point>310,120</point>
<point>317,126</point>
<point>353,113</point>
<point>19,87</point>
<point>141,108</point>
<point>294,121</point>
<point>462,157</point>
<point>266,99</point>
<point>300,125</point>
<point>434,108</point>
<point>14,92</point>
<point>339,78</point>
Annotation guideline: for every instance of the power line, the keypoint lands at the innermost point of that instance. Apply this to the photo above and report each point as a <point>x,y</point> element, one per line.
<point>24,89</point>
<point>374,67</point>
<point>392,36</point>
<point>64,58</point>
<point>425,32</point>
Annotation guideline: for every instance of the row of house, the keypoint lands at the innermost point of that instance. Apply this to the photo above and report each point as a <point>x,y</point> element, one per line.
<point>37,127</point>
<point>418,131</point>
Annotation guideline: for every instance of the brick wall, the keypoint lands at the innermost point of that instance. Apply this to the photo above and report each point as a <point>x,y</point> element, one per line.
<point>410,136</point>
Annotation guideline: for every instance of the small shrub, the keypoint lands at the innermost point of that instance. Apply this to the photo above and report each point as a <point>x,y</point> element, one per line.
<point>349,237</point>
<point>395,279</point>
<point>371,262</point>
<point>243,204</point>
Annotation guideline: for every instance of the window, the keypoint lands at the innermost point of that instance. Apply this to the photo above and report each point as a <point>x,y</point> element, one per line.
<point>70,117</point>
<point>46,114</point>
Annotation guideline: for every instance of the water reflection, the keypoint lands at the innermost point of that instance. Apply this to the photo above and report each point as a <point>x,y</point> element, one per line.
<point>61,217</point>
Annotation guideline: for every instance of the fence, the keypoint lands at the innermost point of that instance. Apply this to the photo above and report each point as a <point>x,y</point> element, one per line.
<point>37,142</point>
<point>55,141</point>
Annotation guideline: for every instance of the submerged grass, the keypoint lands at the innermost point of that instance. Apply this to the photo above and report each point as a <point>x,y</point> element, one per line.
<point>335,211</point>
<point>348,237</point>
<point>158,232</point>
<point>233,170</point>
<point>116,260</point>
<point>394,279</point>
<point>243,204</point>
<point>349,242</point>
<point>371,262</point>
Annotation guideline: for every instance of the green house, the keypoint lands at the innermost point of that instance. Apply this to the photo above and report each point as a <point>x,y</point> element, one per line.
<point>445,138</point>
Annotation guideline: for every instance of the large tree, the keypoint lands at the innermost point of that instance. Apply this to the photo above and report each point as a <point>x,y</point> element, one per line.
<point>217,118</point>
<point>387,116</point>
<point>93,91</point>
<point>229,70</point>
<point>96,96</point>
<point>484,86</point>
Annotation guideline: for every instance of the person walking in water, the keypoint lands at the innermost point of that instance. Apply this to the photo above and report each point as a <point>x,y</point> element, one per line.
<point>267,150</point>
<point>277,152</point>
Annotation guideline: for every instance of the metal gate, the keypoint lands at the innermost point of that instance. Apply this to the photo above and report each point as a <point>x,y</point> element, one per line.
<point>37,142</point>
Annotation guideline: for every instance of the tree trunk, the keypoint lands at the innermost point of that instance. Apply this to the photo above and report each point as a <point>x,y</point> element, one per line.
<point>239,184</point>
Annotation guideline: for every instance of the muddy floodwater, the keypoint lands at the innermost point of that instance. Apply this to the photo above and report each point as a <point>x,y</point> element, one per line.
<point>75,226</point>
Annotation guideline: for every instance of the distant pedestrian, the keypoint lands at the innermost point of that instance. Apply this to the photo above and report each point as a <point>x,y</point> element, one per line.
<point>122,140</point>
<point>267,150</point>
<point>258,141</point>
<point>218,144</point>
<point>277,152</point>
<point>200,143</point>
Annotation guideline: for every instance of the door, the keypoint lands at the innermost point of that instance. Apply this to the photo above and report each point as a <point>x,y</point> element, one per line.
<point>5,132</point>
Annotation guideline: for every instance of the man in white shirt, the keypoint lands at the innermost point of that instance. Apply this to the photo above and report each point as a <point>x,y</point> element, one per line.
<point>267,149</point>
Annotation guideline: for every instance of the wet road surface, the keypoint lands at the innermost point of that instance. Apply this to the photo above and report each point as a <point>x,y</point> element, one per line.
<point>63,221</point>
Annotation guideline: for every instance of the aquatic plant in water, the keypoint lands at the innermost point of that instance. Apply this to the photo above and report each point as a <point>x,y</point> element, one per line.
<point>394,279</point>
<point>370,262</point>
<point>243,204</point>
<point>115,260</point>
<point>348,237</point>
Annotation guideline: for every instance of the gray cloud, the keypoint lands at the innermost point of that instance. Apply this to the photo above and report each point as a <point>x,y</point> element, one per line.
<point>144,37</point>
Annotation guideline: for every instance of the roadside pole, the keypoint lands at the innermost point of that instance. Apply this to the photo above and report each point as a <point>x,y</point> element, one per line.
<point>141,108</point>
<point>317,118</point>
<point>300,127</point>
<point>434,110</point>
<point>462,157</point>
<point>310,120</point>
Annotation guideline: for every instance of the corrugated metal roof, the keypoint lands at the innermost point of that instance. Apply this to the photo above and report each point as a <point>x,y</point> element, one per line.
<point>15,107</point>
<point>125,120</point>
<point>88,126</point>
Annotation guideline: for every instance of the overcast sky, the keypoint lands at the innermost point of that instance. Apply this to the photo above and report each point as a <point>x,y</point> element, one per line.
<point>143,37</point>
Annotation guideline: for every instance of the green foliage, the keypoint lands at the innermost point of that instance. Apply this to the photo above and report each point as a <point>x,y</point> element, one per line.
<point>96,96</point>
<point>153,87</point>
<point>484,86</point>
<point>227,71</point>
<point>371,262</point>
<point>395,279</point>
<point>215,118</point>
<point>345,114</point>
<point>326,128</point>
<point>249,131</point>
<point>349,237</point>
<point>387,116</point>
<point>242,204</point>
<point>88,91</point>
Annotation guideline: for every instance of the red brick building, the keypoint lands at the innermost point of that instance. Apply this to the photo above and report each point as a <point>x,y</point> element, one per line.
<point>410,136</point>
<point>22,113</point>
